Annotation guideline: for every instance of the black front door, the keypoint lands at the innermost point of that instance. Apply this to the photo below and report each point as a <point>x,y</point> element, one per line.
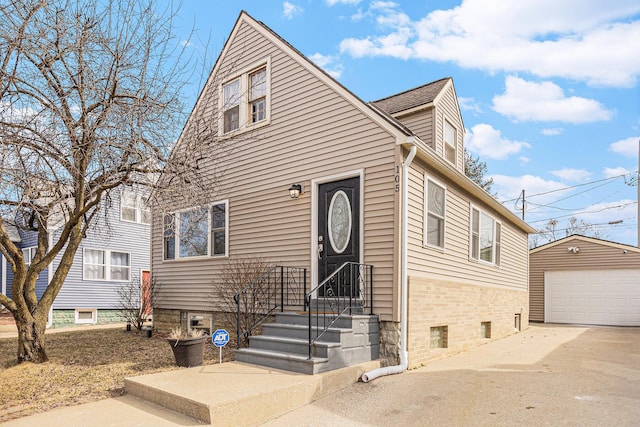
<point>338,226</point>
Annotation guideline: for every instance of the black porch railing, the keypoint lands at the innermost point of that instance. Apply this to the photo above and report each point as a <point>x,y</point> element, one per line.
<point>349,290</point>
<point>279,287</point>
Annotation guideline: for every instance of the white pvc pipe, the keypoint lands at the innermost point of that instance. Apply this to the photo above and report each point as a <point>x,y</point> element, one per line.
<point>404,293</point>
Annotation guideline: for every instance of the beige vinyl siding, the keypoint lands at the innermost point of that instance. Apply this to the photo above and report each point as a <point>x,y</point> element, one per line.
<point>593,255</point>
<point>313,133</point>
<point>421,124</point>
<point>453,263</point>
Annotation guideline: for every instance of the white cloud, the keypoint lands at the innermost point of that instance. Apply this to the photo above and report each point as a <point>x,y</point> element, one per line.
<point>530,101</point>
<point>570,174</point>
<point>627,147</point>
<point>334,2</point>
<point>289,10</point>
<point>611,172</point>
<point>469,104</point>
<point>488,142</point>
<point>570,39</point>
<point>328,63</point>
<point>552,131</point>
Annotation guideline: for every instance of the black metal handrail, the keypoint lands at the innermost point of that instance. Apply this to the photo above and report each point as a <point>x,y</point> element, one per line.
<point>349,288</point>
<point>277,288</point>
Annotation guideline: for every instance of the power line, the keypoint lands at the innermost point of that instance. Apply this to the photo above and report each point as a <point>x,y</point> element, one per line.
<point>573,186</point>
<point>588,212</point>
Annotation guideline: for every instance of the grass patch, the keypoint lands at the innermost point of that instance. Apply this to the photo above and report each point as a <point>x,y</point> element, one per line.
<point>83,366</point>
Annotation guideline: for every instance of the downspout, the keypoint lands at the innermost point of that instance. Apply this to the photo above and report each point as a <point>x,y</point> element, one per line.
<point>404,292</point>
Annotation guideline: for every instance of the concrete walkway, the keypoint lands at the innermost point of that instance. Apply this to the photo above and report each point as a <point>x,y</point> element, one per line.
<point>242,395</point>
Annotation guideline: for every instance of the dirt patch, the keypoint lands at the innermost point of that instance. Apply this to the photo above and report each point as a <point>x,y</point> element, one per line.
<point>83,366</point>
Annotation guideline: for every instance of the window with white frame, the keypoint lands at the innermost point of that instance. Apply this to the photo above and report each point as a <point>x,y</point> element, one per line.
<point>28,254</point>
<point>245,99</point>
<point>134,207</point>
<point>435,200</point>
<point>86,315</point>
<point>485,237</point>
<point>98,264</point>
<point>197,232</point>
<point>449,142</point>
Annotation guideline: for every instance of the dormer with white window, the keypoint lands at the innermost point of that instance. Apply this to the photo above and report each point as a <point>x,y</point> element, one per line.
<point>432,113</point>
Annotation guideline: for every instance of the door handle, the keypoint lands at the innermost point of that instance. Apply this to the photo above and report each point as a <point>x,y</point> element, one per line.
<point>320,249</point>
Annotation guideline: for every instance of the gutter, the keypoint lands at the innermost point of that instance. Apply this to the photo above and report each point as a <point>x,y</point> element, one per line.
<point>404,294</point>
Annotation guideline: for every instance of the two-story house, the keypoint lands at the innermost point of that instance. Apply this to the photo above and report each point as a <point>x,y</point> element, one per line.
<point>328,179</point>
<point>113,255</point>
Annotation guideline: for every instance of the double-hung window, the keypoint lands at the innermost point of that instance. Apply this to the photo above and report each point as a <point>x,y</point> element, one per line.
<point>486,237</point>
<point>98,264</point>
<point>435,200</point>
<point>245,99</point>
<point>134,207</point>
<point>197,232</point>
<point>28,254</point>
<point>449,142</point>
<point>231,105</point>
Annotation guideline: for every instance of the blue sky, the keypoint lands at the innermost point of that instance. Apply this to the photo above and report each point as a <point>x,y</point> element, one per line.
<point>548,89</point>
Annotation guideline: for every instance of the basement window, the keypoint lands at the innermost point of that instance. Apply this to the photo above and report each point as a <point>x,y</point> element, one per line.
<point>485,329</point>
<point>86,315</point>
<point>439,336</point>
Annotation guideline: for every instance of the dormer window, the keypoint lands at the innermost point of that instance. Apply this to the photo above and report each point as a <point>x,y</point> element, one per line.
<point>449,142</point>
<point>245,100</point>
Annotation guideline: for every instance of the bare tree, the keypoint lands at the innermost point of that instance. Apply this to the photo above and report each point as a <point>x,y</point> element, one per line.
<point>475,169</point>
<point>238,275</point>
<point>89,101</point>
<point>550,232</point>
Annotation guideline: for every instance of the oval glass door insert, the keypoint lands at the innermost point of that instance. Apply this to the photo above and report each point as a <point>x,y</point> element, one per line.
<point>339,221</point>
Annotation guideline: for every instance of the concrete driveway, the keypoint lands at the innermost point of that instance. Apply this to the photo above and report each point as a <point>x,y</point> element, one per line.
<point>547,375</point>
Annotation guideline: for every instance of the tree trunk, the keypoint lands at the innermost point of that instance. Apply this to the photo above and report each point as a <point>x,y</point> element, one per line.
<point>31,340</point>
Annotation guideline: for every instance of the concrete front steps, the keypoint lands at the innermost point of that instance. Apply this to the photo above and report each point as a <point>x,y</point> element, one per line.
<point>284,344</point>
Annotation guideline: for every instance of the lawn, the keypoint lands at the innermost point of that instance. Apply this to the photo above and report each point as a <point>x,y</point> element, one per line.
<point>83,366</point>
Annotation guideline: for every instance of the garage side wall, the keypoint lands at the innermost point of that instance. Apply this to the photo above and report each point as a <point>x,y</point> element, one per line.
<point>591,255</point>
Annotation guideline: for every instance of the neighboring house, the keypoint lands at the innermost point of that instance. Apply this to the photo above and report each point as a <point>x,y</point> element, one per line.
<point>113,254</point>
<point>585,280</point>
<point>466,254</point>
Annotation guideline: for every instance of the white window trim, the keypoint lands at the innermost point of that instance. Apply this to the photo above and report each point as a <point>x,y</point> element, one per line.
<point>428,178</point>
<point>176,234</point>
<point>495,229</point>
<point>107,264</point>
<point>244,113</point>
<point>444,141</point>
<point>137,206</point>
<point>94,316</point>
<point>32,251</point>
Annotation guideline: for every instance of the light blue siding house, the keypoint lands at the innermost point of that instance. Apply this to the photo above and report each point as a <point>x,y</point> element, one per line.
<point>113,255</point>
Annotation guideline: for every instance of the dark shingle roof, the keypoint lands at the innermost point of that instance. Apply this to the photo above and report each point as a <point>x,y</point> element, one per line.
<point>411,98</point>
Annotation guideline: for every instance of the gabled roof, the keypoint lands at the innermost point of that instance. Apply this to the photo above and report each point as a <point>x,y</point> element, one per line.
<point>381,112</point>
<point>412,98</point>
<point>602,242</point>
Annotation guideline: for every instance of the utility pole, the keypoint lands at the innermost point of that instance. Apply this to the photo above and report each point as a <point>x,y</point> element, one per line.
<point>517,207</point>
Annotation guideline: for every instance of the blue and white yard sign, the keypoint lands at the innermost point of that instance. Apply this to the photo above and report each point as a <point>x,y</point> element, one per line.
<point>220,338</point>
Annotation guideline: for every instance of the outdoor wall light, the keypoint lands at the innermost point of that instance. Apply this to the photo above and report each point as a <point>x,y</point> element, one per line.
<point>295,190</point>
<point>573,249</point>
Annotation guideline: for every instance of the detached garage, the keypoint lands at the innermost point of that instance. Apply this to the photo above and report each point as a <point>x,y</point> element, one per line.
<point>585,280</point>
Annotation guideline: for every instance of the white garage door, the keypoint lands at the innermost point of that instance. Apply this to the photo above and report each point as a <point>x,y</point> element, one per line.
<point>592,297</point>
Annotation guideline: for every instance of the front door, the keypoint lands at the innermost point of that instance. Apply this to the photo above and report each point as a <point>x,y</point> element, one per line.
<point>338,226</point>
